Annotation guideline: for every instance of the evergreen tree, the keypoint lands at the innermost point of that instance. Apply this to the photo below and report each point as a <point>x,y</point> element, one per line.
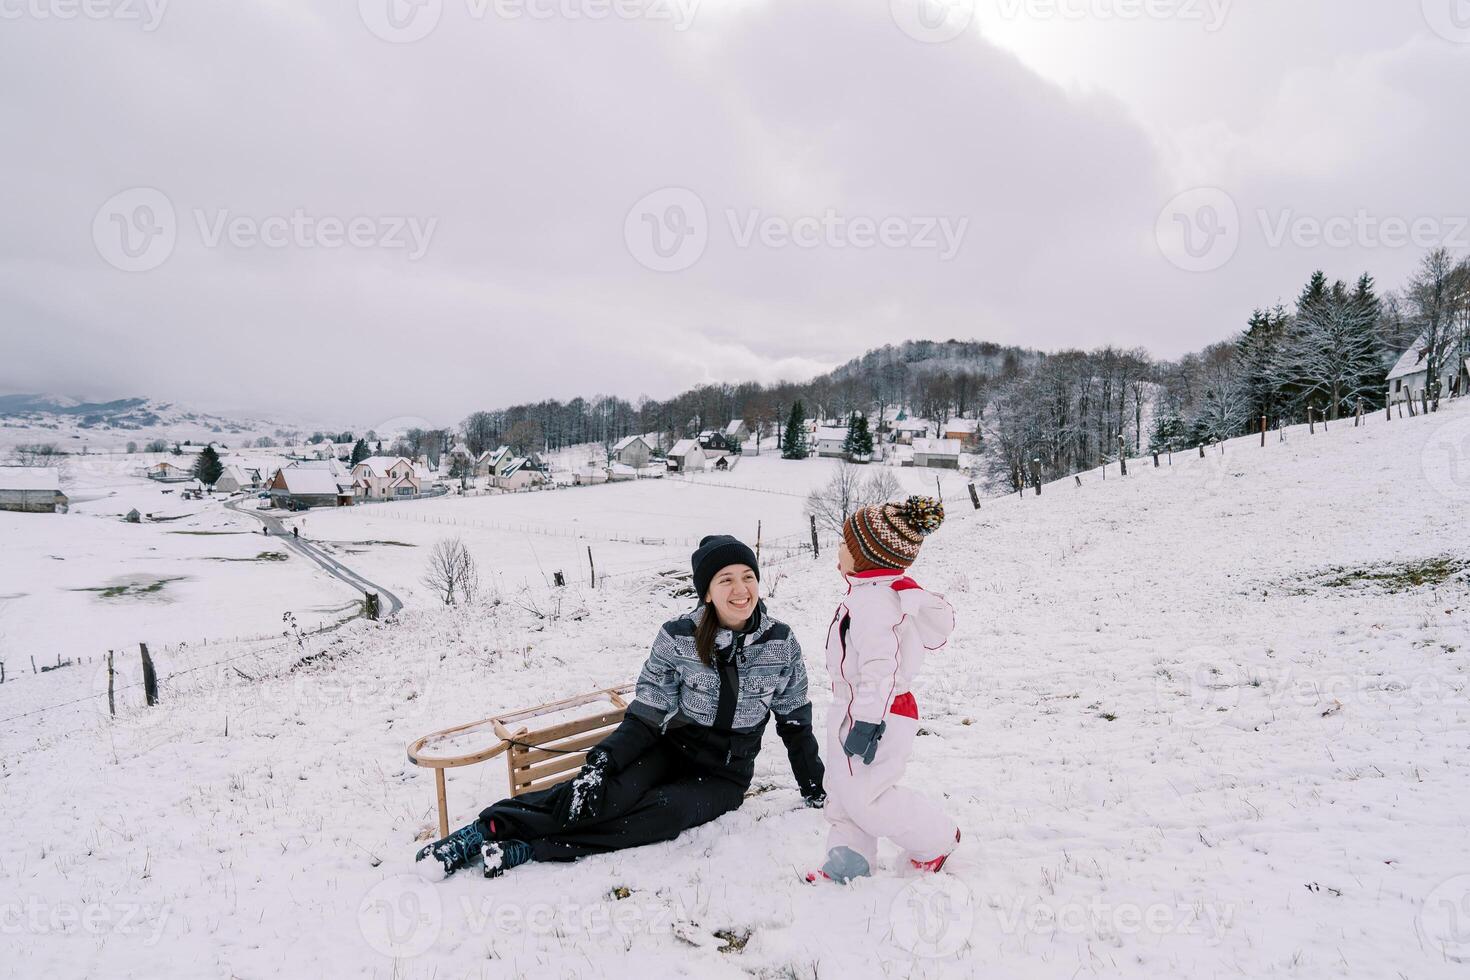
<point>858,446</point>
<point>794,445</point>
<point>360,452</point>
<point>208,468</point>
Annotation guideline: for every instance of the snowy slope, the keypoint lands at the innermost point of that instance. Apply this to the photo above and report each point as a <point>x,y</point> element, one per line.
<point>1184,735</point>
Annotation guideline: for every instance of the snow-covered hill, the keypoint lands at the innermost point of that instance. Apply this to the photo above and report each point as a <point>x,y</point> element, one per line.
<point>1208,720</point>
<point>107,427</point>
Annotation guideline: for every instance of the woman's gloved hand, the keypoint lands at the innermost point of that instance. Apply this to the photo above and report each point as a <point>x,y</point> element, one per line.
<point>862,740</point>
<point>587,792</point>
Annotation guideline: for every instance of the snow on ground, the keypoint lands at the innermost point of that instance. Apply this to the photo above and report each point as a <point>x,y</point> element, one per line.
<point>81,583</point>
<point>1186,731</point>
<point>633,528</point>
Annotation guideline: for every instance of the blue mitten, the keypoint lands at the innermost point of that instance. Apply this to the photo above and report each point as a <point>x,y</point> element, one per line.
<point>862,740</point>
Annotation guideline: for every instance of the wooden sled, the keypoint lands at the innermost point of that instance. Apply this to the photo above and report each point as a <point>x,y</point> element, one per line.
<point>543,745</point>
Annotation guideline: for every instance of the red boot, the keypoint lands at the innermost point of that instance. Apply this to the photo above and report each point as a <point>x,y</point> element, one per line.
<point>936,864</point>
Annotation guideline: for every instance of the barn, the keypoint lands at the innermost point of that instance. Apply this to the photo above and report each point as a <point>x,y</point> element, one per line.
<point>32,490</point>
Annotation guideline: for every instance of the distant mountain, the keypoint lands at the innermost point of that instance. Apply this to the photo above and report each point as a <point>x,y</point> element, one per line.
<point>75,424</point>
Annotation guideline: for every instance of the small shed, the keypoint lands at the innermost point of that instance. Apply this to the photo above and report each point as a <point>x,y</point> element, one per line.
<point>686,457</point>
<point>32,490</point>
<point>830,441</point>
<point>937,453</point>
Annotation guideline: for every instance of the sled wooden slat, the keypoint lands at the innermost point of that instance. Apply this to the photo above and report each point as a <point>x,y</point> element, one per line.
<point>528,769</point>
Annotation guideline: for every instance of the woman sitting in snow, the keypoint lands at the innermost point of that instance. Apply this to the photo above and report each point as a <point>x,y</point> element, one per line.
<point>685,751</point>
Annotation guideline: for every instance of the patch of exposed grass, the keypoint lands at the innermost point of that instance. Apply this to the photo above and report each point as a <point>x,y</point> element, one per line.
<point>131,589</point>
<point>262,556</point>
<point>1402,577</point>
<point>202,533</point>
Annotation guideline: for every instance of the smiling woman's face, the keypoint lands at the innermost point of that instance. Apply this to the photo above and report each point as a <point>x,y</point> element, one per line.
<point>733,593</point>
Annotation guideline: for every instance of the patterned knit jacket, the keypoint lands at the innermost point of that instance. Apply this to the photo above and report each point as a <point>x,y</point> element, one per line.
<point>675,688</point>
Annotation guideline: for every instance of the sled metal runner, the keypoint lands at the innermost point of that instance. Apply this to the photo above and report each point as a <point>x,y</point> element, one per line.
<point>539,752</point>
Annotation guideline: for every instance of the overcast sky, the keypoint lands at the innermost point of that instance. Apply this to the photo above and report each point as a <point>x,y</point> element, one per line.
<point>360,209</point>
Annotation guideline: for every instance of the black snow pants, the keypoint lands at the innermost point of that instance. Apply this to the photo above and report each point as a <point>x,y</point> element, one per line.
<point>655,797</point>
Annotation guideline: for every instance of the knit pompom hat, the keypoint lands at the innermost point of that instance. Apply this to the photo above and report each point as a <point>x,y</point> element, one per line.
<point>887,536</point>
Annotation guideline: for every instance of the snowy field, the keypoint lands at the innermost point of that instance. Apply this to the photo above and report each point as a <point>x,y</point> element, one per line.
<point>1209,720</point>
<point>79,584</point>
<point>633,528</point>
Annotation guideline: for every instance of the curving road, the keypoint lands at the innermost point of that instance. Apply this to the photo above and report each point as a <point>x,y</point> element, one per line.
<point>390,603</point>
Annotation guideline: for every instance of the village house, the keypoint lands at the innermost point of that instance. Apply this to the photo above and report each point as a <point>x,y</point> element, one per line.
<point>1410,374</point>
<point>492,463</point>
<point>232,479</point>
<point>737,433</point>
<point>830,441</point>
<point>300,487</point>
<point>169,472</point>
<point>32,490</point>
<point>386,478</point>
<point>686,457</point>
<point>632,451</point>
<point>937,453</point>
<point>964,431</point>
<point>520,474</point>
<point>905,431</point>
<point>715,444</point>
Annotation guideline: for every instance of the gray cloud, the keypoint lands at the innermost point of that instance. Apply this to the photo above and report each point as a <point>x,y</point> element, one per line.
<point>529,141</point>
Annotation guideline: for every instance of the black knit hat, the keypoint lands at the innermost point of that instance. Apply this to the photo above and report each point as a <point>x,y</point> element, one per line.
<point>713,554</point>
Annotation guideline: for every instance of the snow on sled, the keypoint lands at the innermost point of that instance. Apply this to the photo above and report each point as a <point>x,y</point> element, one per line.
<point>543,745</point>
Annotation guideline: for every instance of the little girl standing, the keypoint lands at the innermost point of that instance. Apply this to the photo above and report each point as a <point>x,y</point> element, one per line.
<point>875,648</point>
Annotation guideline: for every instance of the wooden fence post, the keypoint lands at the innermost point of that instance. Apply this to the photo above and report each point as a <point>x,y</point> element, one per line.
<point>1311,425</point>
<point>150,678</point>
<point>757,542</point>
<point>1388,408</point>
<point>974,497</point>
<point>1078,479</point>
<point>1263,432</point>
<point>111,704</point>
<point>591,568</point>
<point>1036,474</point>
<point>816,548</point>
<point>1156,459</point>
<point>1358,419</point>
<point>33,663</point>
<point>1122,456</point>
<point>1201,450</point>
<point>1425,395</point>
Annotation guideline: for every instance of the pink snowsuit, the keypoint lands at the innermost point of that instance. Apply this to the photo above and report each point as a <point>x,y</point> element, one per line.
<point>876,645</point>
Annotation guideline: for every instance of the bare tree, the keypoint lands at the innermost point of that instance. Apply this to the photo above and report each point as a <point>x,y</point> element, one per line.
<point>39,454</point>
<point>452,573</point>
<point>848,490</point>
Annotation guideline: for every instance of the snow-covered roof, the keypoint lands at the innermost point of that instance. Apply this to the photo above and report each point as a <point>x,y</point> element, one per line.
<point>40,478</point>
<point>962,425</point>
<point>515,466</point>
<point>627,441</point>
<point>912,425</point>
<point>317,482</point>
<point>493,456</point>
<point>1411,361</point>
<point>937,447</point>
<point>235,473</point>
<point>734,427</point>
<point>380,465</point>
<point>684,447</point>
<point>832,434</point>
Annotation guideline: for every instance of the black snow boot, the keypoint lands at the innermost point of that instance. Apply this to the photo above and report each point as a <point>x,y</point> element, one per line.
<point>502,855</point>
<point>458,849</point>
